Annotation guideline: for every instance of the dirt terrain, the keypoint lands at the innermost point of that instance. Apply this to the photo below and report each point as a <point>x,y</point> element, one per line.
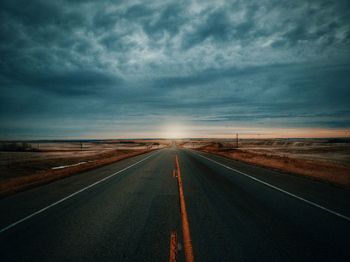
<point>322,159</point>
<point>25,164</point>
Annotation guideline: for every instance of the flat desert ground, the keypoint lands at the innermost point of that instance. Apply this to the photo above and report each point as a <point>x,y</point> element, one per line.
<point>326,160</point>
<point>23,164</point>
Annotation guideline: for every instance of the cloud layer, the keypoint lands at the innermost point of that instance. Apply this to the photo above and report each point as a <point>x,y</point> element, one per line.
<point>90,68</point>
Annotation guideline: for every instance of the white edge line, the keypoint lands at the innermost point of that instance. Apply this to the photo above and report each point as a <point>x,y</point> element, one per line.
<point>71,195</point>
<point>278,189</point>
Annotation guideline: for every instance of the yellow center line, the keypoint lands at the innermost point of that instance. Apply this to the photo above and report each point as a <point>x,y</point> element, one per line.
<point>184,218</point>
<point>173,247</point>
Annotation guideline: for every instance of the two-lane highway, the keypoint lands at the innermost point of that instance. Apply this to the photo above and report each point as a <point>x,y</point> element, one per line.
<point>127,211</point>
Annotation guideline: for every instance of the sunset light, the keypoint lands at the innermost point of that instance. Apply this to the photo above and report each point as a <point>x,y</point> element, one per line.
<point>174,130</point>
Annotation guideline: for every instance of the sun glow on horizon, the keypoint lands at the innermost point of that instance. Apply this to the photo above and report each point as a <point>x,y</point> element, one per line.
<point>174,131</point>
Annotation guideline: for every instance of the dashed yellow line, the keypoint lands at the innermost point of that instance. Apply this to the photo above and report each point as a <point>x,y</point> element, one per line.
<point>173,247</point>
<point>184,218</point>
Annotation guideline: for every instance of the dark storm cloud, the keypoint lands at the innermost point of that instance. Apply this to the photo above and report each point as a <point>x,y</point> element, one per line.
<point>297,21</point>
<point>168,19</point>
<point>218,26</point>
<point>259,62</point>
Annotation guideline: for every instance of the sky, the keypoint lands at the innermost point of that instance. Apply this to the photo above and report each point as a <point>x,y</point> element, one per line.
<point>137,69</point>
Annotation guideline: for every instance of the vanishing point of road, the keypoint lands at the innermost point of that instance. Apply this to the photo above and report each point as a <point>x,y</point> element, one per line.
<point>177,205</point>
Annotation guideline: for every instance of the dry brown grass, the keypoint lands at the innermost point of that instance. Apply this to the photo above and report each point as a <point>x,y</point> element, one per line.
<point>12,185</point>
<point>327,171</point>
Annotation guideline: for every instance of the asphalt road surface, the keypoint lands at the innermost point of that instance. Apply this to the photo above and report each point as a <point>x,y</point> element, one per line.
<point>128,210</point>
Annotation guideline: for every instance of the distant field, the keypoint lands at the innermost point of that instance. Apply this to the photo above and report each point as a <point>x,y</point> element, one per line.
<point>24,164</point>
<point>322,159</point>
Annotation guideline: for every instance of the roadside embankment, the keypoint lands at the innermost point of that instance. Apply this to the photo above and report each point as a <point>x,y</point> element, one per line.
<point>322,170</point>
<point>18,175</point>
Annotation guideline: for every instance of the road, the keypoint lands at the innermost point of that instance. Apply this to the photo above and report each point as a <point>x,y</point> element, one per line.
<point>128,210</point>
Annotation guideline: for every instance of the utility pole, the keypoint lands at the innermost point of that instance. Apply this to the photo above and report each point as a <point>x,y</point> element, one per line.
<point>236,140</point>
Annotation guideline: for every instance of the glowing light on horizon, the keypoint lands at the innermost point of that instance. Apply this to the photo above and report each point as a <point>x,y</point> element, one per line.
<point>174,131</point>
